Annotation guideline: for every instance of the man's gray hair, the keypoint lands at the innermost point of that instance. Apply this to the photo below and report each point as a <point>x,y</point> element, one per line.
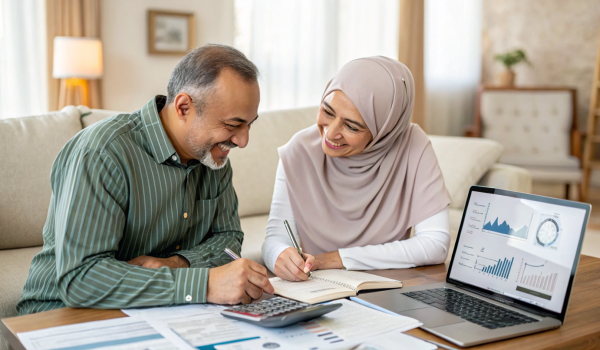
<point>197,72</point>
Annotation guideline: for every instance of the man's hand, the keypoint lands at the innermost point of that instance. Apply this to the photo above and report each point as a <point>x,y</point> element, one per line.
<point>290,266</point>
<point>237,282</point>
<point>174,262</point>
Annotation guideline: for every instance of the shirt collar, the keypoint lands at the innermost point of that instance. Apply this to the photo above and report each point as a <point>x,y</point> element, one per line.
<point>161,147</point>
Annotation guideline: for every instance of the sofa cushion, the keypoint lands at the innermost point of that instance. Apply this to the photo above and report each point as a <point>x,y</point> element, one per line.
<point>29,146</point>
<point>15,268</point>
<point>254,167</point>
<point>507,177</point>
<point>463,162</point>
<point>254,228</point>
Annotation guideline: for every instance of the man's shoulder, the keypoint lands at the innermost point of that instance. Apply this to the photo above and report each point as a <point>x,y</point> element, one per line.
<point>98,136</point>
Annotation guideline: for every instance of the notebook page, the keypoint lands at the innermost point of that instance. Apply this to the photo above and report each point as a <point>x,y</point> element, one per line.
<point>311,288</point>
<point>351,278</point>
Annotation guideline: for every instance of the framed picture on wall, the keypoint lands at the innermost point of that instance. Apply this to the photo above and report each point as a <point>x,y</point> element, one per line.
<point>170,32</point>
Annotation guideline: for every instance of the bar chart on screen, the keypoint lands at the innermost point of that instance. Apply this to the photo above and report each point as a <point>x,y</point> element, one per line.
<point>537,279</point>
<point>500,268</point>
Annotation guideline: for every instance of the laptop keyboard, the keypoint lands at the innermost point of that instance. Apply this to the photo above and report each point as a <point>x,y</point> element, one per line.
<point>470,308</point>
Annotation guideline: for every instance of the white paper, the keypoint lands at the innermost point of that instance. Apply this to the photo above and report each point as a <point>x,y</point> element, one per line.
<point>158,312</point>
<point>354,321</point>
<point>199,326</point>
<point>392,341</point>
<point>116,334</point>
<point>373,306</point>
<point>203,327</point>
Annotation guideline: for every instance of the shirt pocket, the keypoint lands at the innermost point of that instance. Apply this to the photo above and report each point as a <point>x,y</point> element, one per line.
<point>204,214</point>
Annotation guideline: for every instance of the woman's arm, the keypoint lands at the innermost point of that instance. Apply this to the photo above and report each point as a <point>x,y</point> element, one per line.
<point>428,246</point>
<point>277,239</point>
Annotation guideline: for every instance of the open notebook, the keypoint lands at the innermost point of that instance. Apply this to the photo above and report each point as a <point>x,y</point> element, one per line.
<point>327,285</point>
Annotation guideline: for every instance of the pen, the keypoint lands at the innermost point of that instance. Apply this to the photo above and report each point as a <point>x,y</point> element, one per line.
<point>296,245</point>
<point>230,252</point>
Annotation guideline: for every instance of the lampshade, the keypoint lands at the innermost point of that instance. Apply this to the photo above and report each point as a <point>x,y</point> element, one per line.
<point>76,57</point>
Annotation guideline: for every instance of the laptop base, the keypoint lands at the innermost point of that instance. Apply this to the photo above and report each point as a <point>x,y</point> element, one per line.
<point>451,327</point>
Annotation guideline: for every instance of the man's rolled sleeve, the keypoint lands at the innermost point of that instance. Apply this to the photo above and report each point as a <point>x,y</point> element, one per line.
<point>191,286</point>
<point>211,252</point>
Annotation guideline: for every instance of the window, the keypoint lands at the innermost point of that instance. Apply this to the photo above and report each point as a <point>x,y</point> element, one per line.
<point>298,45</point>
<point>23,81</point>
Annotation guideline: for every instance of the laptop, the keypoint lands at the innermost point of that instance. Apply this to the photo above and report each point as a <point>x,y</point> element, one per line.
<point>511,271</point>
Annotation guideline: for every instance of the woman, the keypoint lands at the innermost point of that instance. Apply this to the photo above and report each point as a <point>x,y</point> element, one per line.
<point>354,185</point>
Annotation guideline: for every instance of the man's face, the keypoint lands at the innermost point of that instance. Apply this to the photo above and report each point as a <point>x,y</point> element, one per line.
<point>225,122</point>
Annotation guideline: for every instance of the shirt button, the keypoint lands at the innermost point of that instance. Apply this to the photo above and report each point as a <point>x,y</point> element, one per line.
<point>174,158</point>
<point>185,215</point>
<point>188,298</point>
<point>177,247</point>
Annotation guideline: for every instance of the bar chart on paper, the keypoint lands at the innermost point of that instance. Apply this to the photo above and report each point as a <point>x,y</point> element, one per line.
<point>537,280</point>
<point>500,268</point>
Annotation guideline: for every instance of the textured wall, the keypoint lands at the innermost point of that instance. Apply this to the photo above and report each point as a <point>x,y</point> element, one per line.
<point>560,38</point>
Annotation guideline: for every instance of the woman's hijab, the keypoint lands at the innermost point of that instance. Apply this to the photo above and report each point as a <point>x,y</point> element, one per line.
<point>376,196</point>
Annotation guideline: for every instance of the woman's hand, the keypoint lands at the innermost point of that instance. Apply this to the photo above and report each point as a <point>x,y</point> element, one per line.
<point>290,266</point>
<point>330,260</point>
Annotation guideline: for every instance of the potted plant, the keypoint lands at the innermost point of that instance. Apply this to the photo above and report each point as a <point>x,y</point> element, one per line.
<point>509,59</point>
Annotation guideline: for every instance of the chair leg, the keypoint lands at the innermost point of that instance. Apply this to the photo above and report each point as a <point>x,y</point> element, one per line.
<point>567,187</point>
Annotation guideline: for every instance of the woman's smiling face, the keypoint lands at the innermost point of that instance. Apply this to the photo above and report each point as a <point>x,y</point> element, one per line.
<point>343,130</point>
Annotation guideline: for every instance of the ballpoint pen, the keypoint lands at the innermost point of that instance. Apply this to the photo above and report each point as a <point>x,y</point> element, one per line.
<point>233,255</point>
<point>296,245</point>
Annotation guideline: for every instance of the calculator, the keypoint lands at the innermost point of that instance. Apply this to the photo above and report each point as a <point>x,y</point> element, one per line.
<point>277,312</point>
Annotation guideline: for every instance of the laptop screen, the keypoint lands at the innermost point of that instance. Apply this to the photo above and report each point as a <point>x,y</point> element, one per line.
<point>521,248</point>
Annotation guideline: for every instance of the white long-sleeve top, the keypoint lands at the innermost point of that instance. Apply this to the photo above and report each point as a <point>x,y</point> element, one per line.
<point>428,246</point>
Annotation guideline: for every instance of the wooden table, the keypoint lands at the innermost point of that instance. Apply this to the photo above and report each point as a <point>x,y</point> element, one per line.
<point>581,329</point>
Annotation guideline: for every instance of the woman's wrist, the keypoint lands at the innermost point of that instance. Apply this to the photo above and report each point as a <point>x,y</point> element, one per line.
<point>329,260</point>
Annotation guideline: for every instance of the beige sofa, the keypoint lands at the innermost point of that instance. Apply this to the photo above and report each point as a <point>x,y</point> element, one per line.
<point>30,144</point>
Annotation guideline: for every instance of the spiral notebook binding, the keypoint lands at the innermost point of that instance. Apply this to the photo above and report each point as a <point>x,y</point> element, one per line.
<point>345,285</point>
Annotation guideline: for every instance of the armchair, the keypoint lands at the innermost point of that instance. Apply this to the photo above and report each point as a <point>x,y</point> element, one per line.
<point>536,126</point>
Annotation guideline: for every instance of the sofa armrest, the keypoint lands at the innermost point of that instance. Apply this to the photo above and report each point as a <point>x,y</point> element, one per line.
<point>507,177</point>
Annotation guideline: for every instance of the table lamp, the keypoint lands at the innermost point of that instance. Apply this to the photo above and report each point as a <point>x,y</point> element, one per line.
<point>76,60</point>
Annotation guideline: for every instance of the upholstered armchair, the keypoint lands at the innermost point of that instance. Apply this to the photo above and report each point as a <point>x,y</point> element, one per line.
<point>536,126</point>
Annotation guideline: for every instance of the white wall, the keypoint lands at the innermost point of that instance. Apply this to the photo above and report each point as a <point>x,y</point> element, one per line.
<point>132,76</point>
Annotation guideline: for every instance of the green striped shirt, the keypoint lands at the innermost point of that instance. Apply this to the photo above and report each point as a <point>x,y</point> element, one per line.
<point>120,191</point>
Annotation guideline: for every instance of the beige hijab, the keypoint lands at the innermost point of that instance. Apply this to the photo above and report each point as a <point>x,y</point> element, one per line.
<point>376,196</point>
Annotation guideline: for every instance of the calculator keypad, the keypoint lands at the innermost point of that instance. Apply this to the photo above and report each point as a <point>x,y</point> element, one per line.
<point>270,307</point>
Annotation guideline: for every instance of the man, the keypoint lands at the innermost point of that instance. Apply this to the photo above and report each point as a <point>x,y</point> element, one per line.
<point>142,204</point>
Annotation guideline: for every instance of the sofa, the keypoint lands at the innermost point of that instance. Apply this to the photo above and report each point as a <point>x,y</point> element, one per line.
<point>30,144</point>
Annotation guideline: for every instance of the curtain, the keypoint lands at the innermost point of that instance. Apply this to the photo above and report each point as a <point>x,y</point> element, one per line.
<point>410,52</point>
<point>452,64</point>
<point>22,58</point>
<point>79,18</point>
<point>298,45</point>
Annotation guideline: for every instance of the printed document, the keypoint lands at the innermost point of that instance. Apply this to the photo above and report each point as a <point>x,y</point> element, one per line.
<point>117,334</point>
<point>203,327</point>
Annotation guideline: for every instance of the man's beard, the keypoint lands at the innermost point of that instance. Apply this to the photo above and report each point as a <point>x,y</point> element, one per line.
<point>202,152</point>
<point>207,159</point>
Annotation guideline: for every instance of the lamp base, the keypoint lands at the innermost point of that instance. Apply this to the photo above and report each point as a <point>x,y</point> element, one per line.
<point>73,91</point>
